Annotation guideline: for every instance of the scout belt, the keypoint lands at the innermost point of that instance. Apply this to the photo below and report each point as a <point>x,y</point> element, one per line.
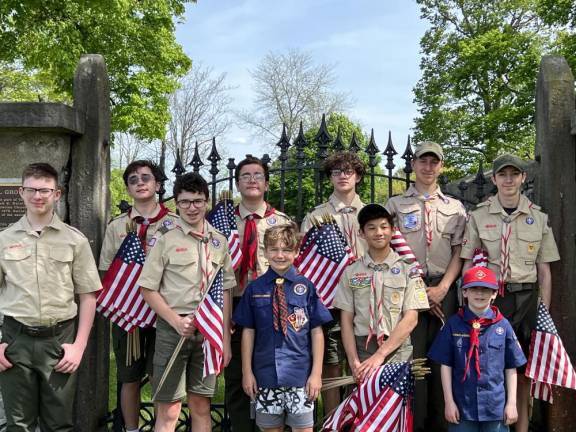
<point>38,331</point>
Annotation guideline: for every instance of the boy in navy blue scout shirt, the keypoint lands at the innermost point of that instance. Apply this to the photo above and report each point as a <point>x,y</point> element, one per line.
<point>479,353</point>
<point>282,341</point>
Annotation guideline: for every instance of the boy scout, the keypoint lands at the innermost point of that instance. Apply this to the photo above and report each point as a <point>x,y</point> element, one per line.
<point>433,225</point>
<point>520,245</point>
<point>44,263</point>
<point>142,179</point>
<point>379,296</point>
<point>253,216</point>
<point>178,271</point>
<point>345,171</point>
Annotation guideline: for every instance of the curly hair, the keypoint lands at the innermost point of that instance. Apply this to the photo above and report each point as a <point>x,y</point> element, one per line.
<point>191,182</point>
<point>344,160</point>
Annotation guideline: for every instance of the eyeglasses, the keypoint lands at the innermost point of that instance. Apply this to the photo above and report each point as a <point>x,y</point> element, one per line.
<point>44,192</point>
<point>144,178</point>
<point>338,172</point>
<point>197,203</point>
<point>256,177</point>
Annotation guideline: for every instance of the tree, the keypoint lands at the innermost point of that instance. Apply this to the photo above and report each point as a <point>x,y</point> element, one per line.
<point>290,88</point>
<point>136,38</point>
<point>479,68</point>
<point>199,112</point>
<point>561,14</point>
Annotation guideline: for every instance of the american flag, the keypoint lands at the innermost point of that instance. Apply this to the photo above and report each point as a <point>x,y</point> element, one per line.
<point>209,320</point>
<point>548,361</point>
<point>323,258</point>
<point>383,402</point>
<point>222,218</point>
<point>120,299</point>
<point>402,248</point>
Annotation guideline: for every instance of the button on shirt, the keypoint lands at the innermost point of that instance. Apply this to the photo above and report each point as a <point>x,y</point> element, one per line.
<point>173,266</point>
<point>478,399</point>
<point>41,273</point>
<point>278,360</point>
<point>531,239</point>
<point>447,217</point>
<point>262,224</point>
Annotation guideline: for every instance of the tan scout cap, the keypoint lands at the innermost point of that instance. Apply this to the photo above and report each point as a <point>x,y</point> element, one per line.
<point>508,160</point>
<point>429,147</point>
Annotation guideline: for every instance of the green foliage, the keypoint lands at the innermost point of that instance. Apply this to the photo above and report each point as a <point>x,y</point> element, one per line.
<point>136,39</point>
<point>347,128</point>
<point>117,191</point>
<point>479,68</point>
<point>561,13</point>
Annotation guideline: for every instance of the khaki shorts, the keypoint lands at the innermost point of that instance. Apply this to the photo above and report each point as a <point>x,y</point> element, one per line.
<point>185,376</point>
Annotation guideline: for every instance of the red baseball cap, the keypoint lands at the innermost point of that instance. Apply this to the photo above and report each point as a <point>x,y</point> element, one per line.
<point>479,277</point>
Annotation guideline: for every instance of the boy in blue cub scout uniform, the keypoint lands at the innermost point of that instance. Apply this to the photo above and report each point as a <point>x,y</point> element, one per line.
<point>479,353</point>
<point>282,341</point>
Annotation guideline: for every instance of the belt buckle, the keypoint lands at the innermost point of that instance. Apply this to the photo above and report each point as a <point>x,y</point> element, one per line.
<point>33,331</point>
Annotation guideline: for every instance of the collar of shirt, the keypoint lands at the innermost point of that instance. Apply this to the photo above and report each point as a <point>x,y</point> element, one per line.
<point>244,212</point>
<point>187,229</point>
<point>291,275</point>
<point>469,315</point>
<point>135,213</point>
<point>389,262</point>
<point>413,192</point>
<point>339,205</point>
<point>496,207</point>
<point>24,225</point>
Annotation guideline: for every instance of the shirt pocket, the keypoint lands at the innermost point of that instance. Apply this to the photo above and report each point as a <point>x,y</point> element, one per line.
<point>262,309</point>
<point>394,289</point>
<point>491,242</point>
<point>529,241</point>
<point>298,314</point>
<point>409,218</point>
<point>18,264</point>
<point>446,220</point>
<point>496,354</point>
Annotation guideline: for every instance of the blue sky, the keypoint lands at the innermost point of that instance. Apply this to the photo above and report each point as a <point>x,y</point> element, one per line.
<point>373,44</point>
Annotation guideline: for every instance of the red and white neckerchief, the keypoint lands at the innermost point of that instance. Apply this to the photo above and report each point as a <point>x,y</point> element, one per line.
<point>504,254</point>
<point>428,210</point>
<point>349,228</point>
<point>204,257</point>
<point>376,308</point>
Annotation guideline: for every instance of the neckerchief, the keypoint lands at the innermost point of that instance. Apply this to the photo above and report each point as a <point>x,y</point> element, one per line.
<point>504,253</point>
<point>350,231</point>
<point>146,222</point>
<point>280,307</point>
<point>427,200</point>
<point>250,244</point>
<point>376,308</point>
<point>475,329</point>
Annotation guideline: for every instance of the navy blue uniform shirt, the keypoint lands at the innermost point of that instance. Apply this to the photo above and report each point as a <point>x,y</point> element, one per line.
<point>478,399</point>
<point>278,360</point>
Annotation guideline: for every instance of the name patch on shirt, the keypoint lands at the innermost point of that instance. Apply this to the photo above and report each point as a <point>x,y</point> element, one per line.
<point>181,249</point>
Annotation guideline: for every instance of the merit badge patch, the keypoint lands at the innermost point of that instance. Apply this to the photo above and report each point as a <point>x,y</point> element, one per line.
<point>298,318</point>
<point>300,289</point>
<point>529,220</point>
<point>410,221</point>
<point>395,270</point>
<point>215,242</point>
<point>421,295</point>
<point>499,330</point>
<point>271,220</point>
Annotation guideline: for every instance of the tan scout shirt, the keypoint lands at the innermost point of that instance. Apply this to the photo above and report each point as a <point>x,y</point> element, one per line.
<point>448,222</point>
<point>531,240</point>
<point>403,290</point>
<point>116,232</point>
<point>173,266</point>
<point>41,273</point>
<point>278,218</point>
<point>347,221</point>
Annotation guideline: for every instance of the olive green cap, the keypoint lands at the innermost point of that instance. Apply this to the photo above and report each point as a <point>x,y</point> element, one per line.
<point>429,147</point>
<point>507,160</point>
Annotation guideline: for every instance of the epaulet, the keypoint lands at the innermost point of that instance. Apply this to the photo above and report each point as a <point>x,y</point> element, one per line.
<point>76,230</point>
<point>533,206</point>
<point>483,203</point>
<point>320,206</point>
<point>121,215</point>
<point>165,226</point>
<point>279,213</point>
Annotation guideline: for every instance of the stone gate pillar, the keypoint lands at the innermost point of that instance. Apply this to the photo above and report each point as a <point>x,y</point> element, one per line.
<point>555,190</point>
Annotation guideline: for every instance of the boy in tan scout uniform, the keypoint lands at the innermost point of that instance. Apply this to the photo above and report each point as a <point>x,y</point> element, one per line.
<point>177,272</point>
<point>253,216</point>
<point>345,171</point>
<point>433,225</point>
<point>142,179</point>
<point>44,263</point>
<point>511,223</point>
<point>379,296</point>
